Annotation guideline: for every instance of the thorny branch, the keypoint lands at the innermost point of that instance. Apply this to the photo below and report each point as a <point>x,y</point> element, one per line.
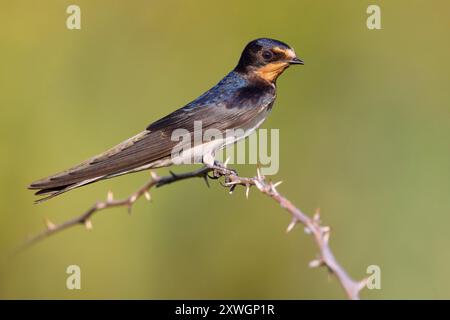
<point>312,225</point>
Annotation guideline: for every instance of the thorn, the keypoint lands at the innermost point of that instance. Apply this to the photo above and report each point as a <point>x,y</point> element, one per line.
<point>316,216</point>
<point>272,188</point>
<point>247,191</point>
<point>147,195</point>
<point>154,175</point>
<point>88,224</point>
<point>205,177</point>
<point>326,237</point>
<point>307,230</point>
<point>232,183</point>
<point>110,196</point>
<point>226,162</point>
<point>172,174</point>
<point>50,225</point>
<point>131,201</point>
<point>276,184</point>
<point>315,263</point>
<point>326,229</point>
<point>258,173</point>
<point>232,189</point>
<point>291,225</point>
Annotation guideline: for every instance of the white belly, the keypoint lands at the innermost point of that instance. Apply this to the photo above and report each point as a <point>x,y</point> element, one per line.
<point>205,152</point>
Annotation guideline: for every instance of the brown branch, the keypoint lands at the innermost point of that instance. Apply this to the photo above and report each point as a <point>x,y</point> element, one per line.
<point>312,226</point>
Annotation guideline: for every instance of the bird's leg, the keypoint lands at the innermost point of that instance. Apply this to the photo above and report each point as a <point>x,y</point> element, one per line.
<point>222,168</point>
<point>219,169</point>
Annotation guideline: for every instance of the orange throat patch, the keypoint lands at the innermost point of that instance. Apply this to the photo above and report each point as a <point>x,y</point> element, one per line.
<point>271,71</point>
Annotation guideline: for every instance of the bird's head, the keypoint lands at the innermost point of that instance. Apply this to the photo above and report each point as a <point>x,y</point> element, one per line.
<point>266,59</point>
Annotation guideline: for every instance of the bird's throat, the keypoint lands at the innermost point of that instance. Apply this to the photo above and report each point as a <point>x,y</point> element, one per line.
<point>271,71</point>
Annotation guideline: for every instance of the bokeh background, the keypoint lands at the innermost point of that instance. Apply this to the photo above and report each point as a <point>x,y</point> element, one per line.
<point>364,130</point>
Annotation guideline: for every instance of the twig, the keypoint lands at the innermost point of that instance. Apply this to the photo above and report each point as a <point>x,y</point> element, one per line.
<point>313,225</point>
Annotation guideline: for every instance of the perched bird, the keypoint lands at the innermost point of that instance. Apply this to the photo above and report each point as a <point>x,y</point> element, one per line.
<point>241,100</point>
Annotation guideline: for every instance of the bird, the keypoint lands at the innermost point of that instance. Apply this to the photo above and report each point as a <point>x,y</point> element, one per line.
<point>241,100</point>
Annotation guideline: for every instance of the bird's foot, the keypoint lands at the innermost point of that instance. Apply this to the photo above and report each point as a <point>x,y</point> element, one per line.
<point>220,169</point>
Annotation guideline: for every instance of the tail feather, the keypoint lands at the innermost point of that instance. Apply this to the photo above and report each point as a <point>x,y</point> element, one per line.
<point>144,150</point>
<point>52,192</point>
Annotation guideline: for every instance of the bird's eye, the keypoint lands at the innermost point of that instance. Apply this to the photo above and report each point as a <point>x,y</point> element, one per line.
<point>267,55</point>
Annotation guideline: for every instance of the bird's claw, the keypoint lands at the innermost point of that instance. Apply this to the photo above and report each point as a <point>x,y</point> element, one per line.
<point>214,176</point>
<point>220,169</point>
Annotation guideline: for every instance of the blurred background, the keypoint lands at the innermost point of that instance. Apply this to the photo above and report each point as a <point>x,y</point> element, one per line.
<point>364,135</point>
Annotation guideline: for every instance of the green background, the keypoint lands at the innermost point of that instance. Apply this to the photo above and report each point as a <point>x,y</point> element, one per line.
<point>364,135</point>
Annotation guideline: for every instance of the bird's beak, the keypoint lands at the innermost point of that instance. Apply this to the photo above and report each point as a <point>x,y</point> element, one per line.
<point>296,60</point>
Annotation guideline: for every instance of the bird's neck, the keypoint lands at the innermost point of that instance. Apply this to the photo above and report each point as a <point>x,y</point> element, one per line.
<point>271,72</point>
<point>267,74</point>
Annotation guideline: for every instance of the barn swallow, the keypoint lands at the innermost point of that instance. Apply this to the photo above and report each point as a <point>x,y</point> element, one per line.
<point>241,100</point>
